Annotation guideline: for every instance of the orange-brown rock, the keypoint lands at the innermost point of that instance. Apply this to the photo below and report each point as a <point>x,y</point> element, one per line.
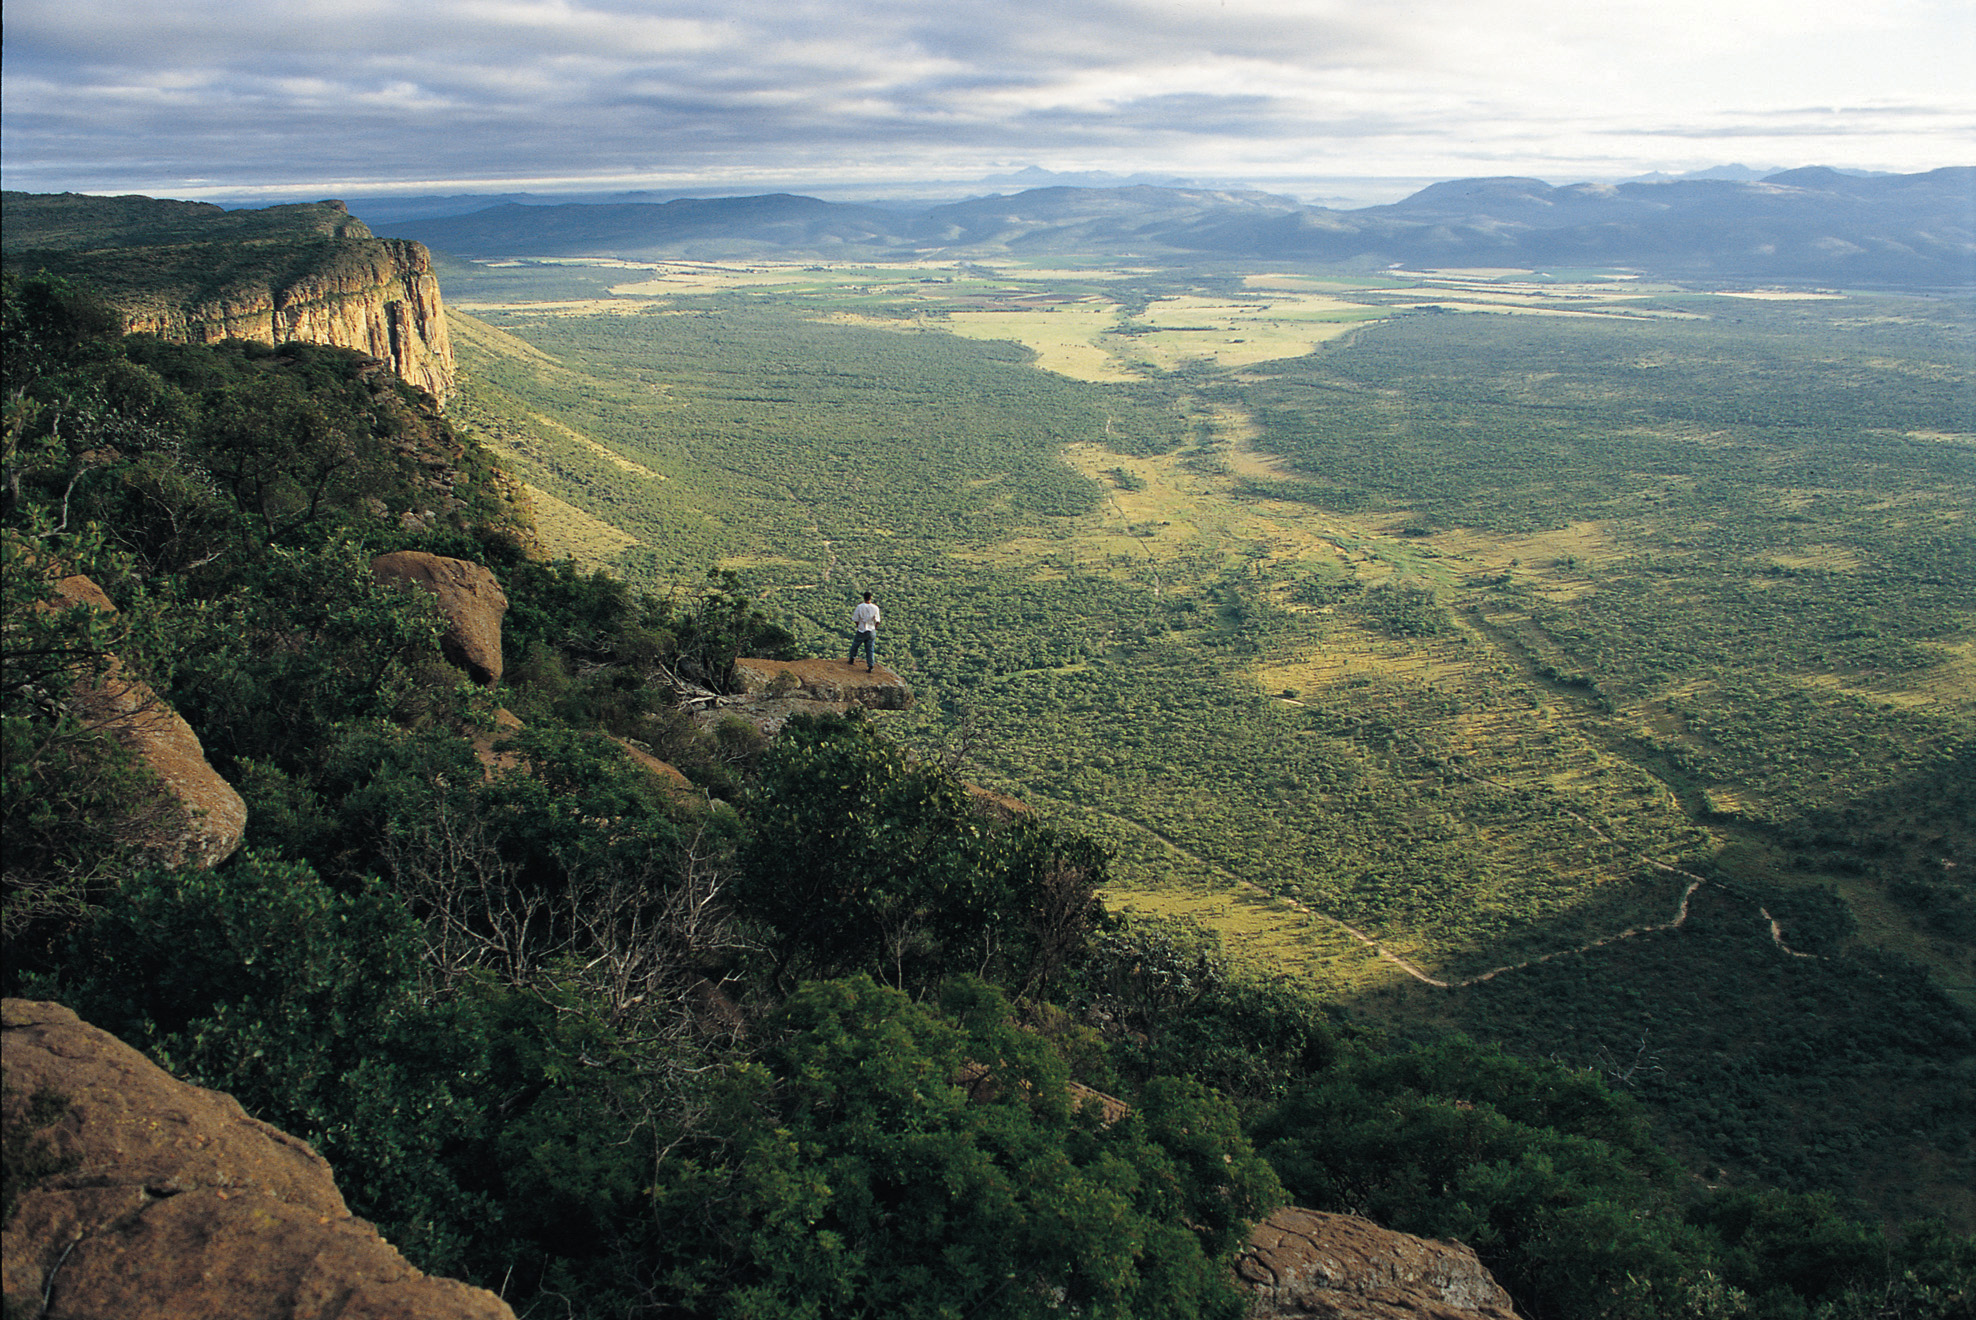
<point>195,271</point>
<point>215,816</point>
<point>169,1201</point>
<point>676,784</point>
<point>832,681</point>
<point>1309,1263</point>
<point>379,296</point>
<point>470,599</point>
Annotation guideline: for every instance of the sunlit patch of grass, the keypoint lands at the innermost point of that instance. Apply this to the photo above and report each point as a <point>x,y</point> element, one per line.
<point>568,531</point>
<point>1268,934</point>
<point>1830,558</point>
<point>471,331</point>
<point>1065,339</point>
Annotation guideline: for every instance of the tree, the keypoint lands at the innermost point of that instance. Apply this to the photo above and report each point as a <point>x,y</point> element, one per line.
<point>887,1158</point>
<point>862,859</point>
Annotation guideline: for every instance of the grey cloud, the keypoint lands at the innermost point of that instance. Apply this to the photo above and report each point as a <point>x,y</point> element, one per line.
<point>125,93</point>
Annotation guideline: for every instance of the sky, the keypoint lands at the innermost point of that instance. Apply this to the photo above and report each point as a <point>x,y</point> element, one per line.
<point>319,98</point>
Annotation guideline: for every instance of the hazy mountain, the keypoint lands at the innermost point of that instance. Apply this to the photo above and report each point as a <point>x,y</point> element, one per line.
<point>713,227</point>
<point>1807,226</point>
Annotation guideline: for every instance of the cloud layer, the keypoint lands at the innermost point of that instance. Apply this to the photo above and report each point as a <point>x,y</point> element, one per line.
<point>226,95</point>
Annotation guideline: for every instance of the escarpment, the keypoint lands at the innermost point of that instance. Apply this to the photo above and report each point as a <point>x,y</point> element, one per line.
<point>377,296</point>
<point>188,271</point>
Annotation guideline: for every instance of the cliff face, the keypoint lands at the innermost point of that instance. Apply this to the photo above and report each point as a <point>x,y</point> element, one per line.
<point>377,296</point>
<point>188,271</point>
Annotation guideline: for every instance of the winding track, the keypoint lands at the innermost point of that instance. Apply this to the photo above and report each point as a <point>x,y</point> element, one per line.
<point>1680,918</point>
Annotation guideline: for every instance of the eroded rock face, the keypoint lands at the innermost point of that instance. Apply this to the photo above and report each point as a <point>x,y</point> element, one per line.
<point>174,1203</point>
<point>378,296</point>
<point>1310,1263</point>
<point>470,599</point>
<point>127,709</point>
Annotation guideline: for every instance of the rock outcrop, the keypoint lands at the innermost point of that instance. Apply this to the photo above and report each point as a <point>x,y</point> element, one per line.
<point>191,271</point>
<point>159,1199</point>
<point>668,775</point>
<point>470,599</point>
<point>506,724</point>
<point>214,816</point>
<point>828,683</point>
<point>1309,1263</point>
<point>375,295</point>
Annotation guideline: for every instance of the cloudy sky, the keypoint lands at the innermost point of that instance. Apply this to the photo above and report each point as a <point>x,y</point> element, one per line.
<point>342,97</point>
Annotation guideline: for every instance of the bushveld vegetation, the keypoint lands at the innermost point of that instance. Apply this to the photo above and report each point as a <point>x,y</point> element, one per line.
<point>1527,610</point>
<point>565,1035</point>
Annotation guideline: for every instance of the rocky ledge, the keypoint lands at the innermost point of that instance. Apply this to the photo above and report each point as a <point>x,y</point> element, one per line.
<point>144,1198</point>
<point>1309,1263</point>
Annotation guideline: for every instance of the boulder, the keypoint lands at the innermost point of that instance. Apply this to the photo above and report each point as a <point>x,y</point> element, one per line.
<point>166,1200</point>
<point>470,599</point>
<point>1309,1263</point>
<point>215,817</point>
<point>676,784</point>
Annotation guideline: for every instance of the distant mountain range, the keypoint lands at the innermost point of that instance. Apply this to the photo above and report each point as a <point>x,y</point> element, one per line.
<point>1816,225</point>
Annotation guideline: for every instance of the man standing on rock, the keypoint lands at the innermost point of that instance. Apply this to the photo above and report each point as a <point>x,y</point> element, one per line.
<point>864,632</point>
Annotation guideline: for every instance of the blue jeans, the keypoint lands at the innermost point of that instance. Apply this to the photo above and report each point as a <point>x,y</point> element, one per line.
<point>867,640</point>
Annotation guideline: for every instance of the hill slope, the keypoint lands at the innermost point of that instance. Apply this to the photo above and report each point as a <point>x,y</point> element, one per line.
<point>1810,225</point>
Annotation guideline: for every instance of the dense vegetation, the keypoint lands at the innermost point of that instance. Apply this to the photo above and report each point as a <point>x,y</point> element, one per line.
<point>564,1034</point>
<point>1725,631</point>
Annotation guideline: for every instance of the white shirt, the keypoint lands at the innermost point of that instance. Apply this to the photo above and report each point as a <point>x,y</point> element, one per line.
<point>865,617</point>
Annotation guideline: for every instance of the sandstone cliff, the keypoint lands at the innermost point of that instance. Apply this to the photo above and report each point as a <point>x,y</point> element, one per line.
<point>377,296</point>
<point>189,271</point>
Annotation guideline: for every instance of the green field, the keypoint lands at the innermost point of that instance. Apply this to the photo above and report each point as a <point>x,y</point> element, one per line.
<point>1467,642</point>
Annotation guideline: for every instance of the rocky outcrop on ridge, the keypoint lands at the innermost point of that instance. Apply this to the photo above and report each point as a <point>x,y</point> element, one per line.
<point>193,272</point>
<point>470,599</point>
<point>377,296</point>
<point>159,1199</point>
<point>769,685</point>
<point>214,817</point>
<point>1309,1263</point>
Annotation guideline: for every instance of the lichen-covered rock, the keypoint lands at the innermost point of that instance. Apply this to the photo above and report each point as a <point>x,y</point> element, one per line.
<point>167,1200</point>
<point>1309,1263</point>
<point>215,816</point>
<point>823,680</point>
<point>470,599</point>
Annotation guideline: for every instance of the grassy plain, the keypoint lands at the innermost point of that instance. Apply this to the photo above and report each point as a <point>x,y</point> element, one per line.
<point>1464,641</point>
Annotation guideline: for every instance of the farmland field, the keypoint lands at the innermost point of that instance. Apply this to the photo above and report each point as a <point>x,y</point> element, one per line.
<point>1472,640</point>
